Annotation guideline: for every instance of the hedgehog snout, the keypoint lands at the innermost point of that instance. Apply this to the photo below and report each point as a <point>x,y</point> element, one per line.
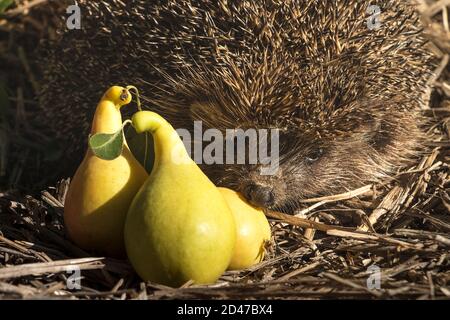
<point>259,195</point>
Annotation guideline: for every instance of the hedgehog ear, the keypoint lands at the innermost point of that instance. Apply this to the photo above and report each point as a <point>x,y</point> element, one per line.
<point>377,128</point>
<point>376,133</point>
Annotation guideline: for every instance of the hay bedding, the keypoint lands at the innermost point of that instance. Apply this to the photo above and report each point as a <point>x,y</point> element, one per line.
<point>402,227</point>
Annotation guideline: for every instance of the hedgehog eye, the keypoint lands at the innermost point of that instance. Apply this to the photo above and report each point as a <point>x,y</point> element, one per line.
<point>314,155</point>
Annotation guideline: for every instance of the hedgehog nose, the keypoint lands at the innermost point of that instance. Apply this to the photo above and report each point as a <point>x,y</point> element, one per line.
<point>259,196</point>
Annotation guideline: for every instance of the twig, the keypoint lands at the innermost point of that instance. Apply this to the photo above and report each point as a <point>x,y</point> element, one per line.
<point>341,196</point>
<point>22,249</point>
<point>436,7</point>
<point>50,267</point>
<point>304,223</point>
<point>351,284</point>
<point>372,237</point>
<point>421,234</point>
<point>299,271</point>
<point>51,200</point>
<point>389,202</point>
<point>22,291</point>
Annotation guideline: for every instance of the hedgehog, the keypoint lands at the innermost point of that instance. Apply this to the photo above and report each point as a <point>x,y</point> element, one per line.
<point>346,95</point>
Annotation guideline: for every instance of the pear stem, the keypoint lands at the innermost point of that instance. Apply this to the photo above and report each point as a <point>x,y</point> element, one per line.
<point>138,100</point>
<point>128,121</point>
<point>138,103</point>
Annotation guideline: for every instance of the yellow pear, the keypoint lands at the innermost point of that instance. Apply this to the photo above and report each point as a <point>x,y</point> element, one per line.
<point>253,230</point>
<point>101,190</point>
<point>179,226</point>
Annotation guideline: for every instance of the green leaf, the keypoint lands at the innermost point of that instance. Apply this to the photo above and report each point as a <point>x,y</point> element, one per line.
<point>4,4</point>
<point>107,146</point>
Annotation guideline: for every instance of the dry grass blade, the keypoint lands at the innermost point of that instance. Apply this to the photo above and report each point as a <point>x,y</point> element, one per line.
<point>351,284</point>
<point>304,223</point>
<point>20,290</point>
<point>372,237</point>
<point>50,267</point>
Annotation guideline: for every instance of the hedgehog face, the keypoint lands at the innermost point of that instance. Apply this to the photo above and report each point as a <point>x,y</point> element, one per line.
<point>306,169</point>
<point>299,164</point>
<point>311,165</point>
